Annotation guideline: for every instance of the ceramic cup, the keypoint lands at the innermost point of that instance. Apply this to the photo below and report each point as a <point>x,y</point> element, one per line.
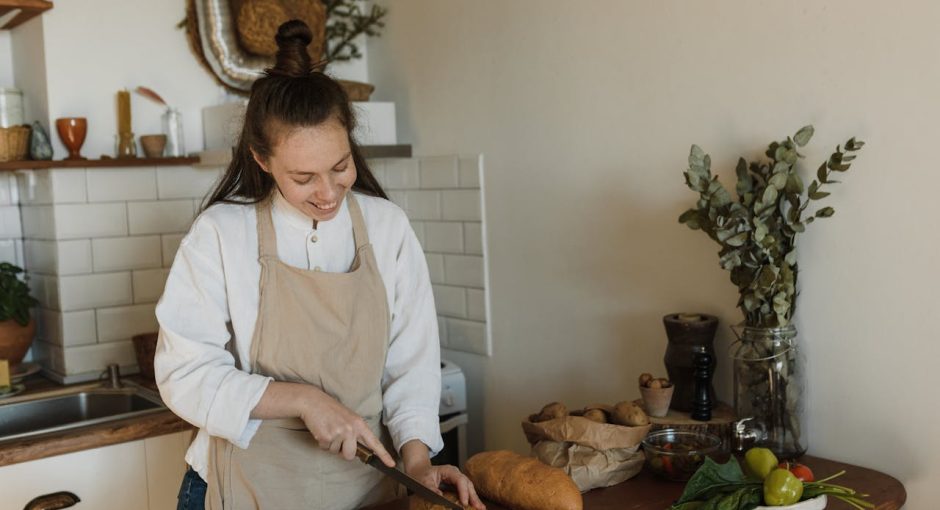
<point>153,145</point>
<point>72,132</point>
<point>656,400</point>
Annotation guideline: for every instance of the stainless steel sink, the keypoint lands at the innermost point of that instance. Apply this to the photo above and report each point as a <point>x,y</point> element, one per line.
<point>75,407</point>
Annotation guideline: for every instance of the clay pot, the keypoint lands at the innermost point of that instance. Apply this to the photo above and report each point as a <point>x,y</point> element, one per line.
<point>15,340</point>
<point>656,400</point>
<point>153,145</point>
<point>145,346</point>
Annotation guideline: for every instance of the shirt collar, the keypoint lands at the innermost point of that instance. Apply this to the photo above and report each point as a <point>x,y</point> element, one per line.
<point>297,219</point>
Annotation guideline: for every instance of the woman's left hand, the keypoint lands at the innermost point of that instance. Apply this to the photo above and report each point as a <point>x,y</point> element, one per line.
<point>414,455</point>
<point>433,476</point>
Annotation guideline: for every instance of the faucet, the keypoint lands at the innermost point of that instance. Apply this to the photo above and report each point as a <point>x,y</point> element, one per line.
<point>113,373</point>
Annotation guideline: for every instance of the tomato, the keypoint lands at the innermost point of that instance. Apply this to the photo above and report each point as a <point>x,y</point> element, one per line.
<point>759,462</point>
<point>801,471</point>
<point>782,488</point>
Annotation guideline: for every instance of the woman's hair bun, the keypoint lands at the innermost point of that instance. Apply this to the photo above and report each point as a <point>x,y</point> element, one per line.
<point>292,58</point>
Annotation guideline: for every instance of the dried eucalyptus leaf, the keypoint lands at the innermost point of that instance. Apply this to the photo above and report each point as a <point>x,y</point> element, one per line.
<point>825,212</point>
<point>803,136</point>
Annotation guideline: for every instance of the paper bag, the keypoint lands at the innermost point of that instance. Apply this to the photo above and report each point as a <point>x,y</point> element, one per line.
<point>593,454</point>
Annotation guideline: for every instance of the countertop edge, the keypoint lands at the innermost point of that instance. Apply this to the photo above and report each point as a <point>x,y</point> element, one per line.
<point>95,436</point>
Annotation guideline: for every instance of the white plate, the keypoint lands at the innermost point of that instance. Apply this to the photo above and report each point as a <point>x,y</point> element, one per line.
<point>817,503</point>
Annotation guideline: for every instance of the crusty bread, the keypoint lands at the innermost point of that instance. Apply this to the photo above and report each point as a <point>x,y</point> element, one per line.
<point>416,502</point>
<point>522,483</point>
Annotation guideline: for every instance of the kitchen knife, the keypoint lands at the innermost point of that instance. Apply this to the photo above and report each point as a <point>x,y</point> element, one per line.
<point>365,454</point>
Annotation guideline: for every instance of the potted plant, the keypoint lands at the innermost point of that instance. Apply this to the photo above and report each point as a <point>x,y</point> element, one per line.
<point>757,232</point>
<point>16,325</point>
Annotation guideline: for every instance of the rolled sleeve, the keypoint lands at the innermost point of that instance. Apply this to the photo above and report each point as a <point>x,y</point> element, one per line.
<point>412,379</point>
<point>195,372</point>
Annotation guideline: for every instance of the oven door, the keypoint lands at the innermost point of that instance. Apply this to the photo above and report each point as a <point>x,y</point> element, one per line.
<point>454,432</point>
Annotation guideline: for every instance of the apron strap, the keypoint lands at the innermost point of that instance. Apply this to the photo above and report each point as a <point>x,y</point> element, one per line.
<point>267,242</point>
<point>360,235</point>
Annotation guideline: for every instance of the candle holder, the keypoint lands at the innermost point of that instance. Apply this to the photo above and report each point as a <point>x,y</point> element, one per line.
<point>125,146</point>
<point>72,132</point>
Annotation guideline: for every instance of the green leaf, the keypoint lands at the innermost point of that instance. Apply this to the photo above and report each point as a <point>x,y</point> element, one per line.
<point>794,184</point>
<point>821,174</point>
<point>778,180</point>
<point>711,476</point>
<point>690,218</point>
<point>803,136</point>
<point>825,212</point>
<point>818,195</point>
<point>697,157</point>
<point>745,183</point>
<point>737,240</point>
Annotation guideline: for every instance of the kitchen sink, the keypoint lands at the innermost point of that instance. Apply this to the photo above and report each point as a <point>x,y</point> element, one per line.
<point>70,408</point>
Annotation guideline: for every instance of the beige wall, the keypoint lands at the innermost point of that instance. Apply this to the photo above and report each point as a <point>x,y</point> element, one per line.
<point>585,112</point>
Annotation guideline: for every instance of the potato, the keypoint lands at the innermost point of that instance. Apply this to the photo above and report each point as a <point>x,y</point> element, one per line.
<point>664,383</point>
<point>629,414</point>
<point>655,384</point>
<point>552,411</point>
<point>645,379</point>
<point>596,415</point>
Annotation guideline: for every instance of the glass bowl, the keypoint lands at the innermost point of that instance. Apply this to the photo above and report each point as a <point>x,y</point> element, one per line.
<point>677,454</point>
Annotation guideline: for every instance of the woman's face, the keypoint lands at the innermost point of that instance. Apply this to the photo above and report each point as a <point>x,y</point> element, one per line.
<point>313,167</point>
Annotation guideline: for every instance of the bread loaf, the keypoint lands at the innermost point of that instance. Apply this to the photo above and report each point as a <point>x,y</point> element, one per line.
<point>522,483</point>
<point>418,503</point>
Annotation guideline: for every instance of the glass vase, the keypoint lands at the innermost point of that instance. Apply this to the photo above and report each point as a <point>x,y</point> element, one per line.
<point>768,388</point>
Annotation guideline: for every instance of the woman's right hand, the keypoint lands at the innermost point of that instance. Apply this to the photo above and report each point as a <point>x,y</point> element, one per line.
<point>337,428</point>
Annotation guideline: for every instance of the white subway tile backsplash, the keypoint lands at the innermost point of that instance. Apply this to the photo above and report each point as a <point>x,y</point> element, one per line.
<point>122,253</point>
<point>116,184</point>
<point>446,237</point>
<point>8,251</point>
<point>450,301</point>
<point>20,253</point>
<point>435,267</point>
<point>462,205</point>
<point>186,182</point>
<point>10,222</point>
<point>465,270</point>
<point>52,186</point>
<point>96,358</point>
<point>162,217</point>
<point>149,284</point>
<point>74,221</point>
<point>38,222</point>
<point>96,290</point>
<point>59,257</point>
<point>45,289</point>
<point>473,238</point>
<point>423,205</point>
<point>442,330</point>
<point>399,198</point>
<point>49,355</point>
<point>467,336</point>
<point>418,228</point>
<point>171,243</point>
<point>124,322</point>
<point>377,167</point>
<point>68,329</point>
<point>470,169</point>
<point>7,185</point>
<point>402,173</point>
<point>476,304</point>
<point>438,172</point>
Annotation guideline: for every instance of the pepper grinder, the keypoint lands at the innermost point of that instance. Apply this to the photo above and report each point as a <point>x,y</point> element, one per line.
<point>702,403</point>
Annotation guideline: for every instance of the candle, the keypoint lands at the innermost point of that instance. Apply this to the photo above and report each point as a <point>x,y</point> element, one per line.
<point>124,111</point>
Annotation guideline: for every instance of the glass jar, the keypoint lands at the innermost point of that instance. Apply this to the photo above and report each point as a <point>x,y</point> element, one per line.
<point>173,129</point>
<point>768,388</point>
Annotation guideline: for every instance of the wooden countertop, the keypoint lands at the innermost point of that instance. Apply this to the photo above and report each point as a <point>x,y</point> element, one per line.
<point>647,492</point>
<point>85,438</point>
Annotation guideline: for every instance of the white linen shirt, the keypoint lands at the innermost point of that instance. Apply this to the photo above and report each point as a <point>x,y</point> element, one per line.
<point>212,293</point>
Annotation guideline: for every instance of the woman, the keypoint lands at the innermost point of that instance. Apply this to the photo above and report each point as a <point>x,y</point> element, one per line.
<point>298,318</point>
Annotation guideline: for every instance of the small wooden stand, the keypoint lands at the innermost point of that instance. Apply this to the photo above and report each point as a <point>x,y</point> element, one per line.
<point>721,424</point>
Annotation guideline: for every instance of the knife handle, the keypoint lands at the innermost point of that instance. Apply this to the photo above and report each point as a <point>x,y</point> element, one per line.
<point>364,453</point>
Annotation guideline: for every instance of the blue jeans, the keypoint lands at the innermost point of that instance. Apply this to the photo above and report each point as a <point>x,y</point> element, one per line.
<point>192,494</point>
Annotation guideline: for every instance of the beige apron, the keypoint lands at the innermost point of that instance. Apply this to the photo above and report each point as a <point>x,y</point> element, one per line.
<point>330,330</point>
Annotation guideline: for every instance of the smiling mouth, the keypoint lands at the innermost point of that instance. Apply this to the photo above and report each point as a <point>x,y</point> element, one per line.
<point>324,207</point>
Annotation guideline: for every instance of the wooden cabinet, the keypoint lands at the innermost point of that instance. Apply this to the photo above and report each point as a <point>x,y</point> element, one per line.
<point>143,474</point>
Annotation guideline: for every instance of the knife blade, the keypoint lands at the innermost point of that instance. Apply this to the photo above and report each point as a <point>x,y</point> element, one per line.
<point>365,454</point>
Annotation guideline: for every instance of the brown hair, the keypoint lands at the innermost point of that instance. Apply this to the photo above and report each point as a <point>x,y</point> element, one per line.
<point>293,93</point>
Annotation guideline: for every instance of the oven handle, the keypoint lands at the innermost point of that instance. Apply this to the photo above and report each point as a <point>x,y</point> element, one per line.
<point>453,422</point>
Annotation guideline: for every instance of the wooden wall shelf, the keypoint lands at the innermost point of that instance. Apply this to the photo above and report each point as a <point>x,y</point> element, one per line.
<point>96,163</point>
<point>28,9</point>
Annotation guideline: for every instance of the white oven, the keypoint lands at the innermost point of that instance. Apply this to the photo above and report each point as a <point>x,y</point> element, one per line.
<point>453,415</point>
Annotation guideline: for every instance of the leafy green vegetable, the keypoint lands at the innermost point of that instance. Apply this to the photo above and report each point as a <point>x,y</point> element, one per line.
<point>713,478</point>
<point>744,498</point>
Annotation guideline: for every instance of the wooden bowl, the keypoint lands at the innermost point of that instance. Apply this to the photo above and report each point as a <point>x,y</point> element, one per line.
<point>153,145</point>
